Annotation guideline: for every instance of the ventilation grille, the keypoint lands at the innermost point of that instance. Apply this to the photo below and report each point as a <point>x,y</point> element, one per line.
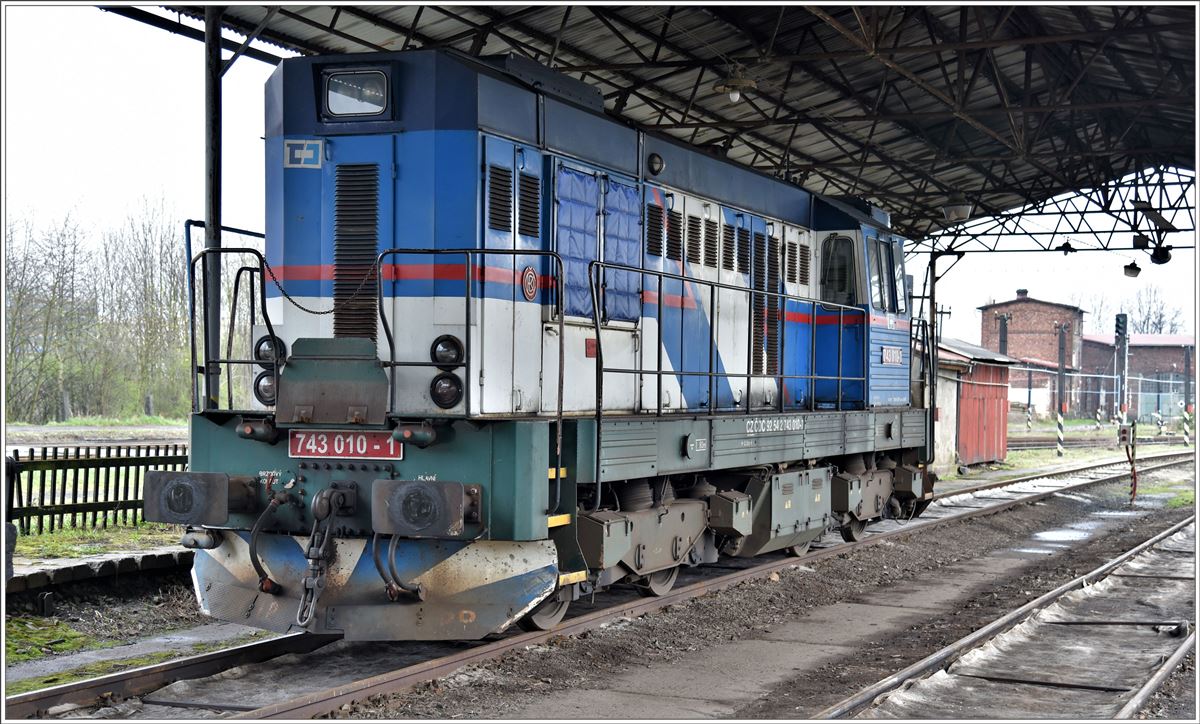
<point>727,248</point>
<point>674,235</point>
<point>710,244</point>
<point>695,245</point>
<point>772,306</point>
<point>529,216</point>
<point>743,251</point>
<point>791,266</point>
<point>758,282</point>
<point>805,263</point>
<point>355,242</point>
<point>500,193</point>
<point>654,230</point>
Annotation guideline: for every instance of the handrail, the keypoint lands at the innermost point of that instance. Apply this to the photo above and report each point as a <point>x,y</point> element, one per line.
<point>262,291</point>
<point>237,281</point>
<point>468,278</point>
<point>781,298</point>
<point>187,260</point>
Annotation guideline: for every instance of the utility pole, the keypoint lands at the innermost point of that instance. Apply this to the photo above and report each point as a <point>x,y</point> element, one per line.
<point>1003,320</point>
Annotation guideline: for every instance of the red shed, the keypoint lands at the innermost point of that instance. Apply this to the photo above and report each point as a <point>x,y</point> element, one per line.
<point>981,417</point>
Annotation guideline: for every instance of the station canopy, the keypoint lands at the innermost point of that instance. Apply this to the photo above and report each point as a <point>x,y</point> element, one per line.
<point>907,106</point>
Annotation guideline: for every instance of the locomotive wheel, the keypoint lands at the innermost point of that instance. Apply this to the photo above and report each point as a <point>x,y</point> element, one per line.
<point>658,583</point>
<point>798,550</point>
<point>545,616</point>
<point>854,531</point>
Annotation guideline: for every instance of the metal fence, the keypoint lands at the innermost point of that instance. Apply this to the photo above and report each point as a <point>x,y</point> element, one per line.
<point>52,488</point>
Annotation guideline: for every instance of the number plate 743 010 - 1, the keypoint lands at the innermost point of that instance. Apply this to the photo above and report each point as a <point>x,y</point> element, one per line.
<point>344,444</point>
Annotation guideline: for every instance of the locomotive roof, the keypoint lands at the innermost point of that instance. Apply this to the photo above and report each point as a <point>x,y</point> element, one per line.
<point>1009,104</point>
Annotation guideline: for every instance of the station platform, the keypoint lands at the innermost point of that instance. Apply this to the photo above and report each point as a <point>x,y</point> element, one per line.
<point>33,573</point>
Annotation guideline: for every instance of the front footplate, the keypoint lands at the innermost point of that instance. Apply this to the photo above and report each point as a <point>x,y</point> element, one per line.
<point>473,588</point>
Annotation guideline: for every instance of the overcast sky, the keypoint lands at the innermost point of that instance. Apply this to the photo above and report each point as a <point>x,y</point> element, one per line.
<point>102,112</point>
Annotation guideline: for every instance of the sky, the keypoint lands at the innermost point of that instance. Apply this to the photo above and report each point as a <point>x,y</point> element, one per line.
<point>103,113</point>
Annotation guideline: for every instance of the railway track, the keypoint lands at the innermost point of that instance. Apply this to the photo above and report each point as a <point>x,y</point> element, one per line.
<point>1049,442</point>
<point>1096,647</point>
<point>438,661</point>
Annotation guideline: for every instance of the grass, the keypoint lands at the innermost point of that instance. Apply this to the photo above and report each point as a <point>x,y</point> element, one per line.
<point>27,638</point>
<point>1182,492</point>
<point>1020,460</point>
<point>135,421</point>
<point>78,542</point>
<point>111,666</point>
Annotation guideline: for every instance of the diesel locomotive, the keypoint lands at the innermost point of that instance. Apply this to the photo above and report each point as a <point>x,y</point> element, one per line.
<point>509,350</point>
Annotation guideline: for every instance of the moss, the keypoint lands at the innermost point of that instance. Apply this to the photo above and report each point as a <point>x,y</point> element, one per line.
<point>112,666</point>
<point>27,638</point>
<point>78,542</point>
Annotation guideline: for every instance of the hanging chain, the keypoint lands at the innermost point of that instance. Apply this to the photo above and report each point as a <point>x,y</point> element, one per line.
<point>324,509</point>
<point>336,306</point>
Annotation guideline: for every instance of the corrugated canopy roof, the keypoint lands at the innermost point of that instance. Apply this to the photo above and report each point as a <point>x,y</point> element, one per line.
<point>902,105</point>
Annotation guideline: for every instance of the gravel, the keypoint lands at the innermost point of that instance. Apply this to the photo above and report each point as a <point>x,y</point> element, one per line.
<point>1177,697</point>
<point>503,686</point>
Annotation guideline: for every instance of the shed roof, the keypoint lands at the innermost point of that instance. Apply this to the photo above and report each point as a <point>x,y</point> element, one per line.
<point>975,353</point>
<point>902,105</point>
<point>1145,340</point>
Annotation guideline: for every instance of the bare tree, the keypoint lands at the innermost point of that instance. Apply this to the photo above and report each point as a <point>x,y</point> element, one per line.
<point>1099,317</point>
<point>1150,313</point>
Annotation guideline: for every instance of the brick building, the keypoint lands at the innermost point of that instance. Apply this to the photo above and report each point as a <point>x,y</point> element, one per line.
<point>1158,364</point>
<point>1032,338</point>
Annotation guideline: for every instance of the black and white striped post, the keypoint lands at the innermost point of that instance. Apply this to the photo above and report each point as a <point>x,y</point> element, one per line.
<point>1062,380</point>
<point>1098,425</point>
<point>1061,409</point>
<point>1187,429</point>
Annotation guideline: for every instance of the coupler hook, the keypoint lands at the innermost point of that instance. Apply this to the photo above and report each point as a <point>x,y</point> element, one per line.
<point>324,509</point>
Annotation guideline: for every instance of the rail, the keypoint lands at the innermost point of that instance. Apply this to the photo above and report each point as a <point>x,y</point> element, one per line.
<point>211,366</point>
<point>53,488</point>
<point>758,355</point>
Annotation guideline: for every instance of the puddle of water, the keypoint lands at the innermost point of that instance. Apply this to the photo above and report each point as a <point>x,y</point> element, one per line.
<point>1042,551</point>
<point>1086,525</point>
<point>1062,534</point>
<point>1114,513</point>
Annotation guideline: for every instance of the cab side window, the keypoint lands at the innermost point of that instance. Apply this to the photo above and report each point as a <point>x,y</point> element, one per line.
<point>883,292</point>
<point>901,285</point>
<point>837,271</point>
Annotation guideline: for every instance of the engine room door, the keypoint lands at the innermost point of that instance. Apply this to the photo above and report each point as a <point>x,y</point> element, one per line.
<point>496,274</point>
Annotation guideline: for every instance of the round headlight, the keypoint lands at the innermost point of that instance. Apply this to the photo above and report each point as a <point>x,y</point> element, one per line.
<point>268,350</point>
<point>446,351</point>
<point>264,388</point>
<point>446,390</point>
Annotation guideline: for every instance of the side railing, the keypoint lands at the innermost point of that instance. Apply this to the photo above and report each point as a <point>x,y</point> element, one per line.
<point>755,346</point>
<point>472,274</point>
<point>204,366</point>
<point>53,488</point>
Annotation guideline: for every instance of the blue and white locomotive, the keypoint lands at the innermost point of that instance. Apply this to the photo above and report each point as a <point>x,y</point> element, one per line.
<point>511,351</point>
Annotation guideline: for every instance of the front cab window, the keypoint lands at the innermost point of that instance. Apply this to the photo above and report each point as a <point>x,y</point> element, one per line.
<point>356,93</point>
